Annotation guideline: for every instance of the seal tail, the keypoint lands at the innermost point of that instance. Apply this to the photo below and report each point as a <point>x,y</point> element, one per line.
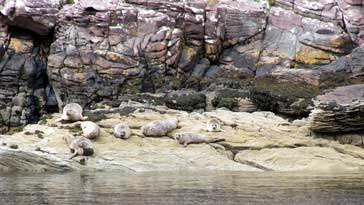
<point>214,140</point>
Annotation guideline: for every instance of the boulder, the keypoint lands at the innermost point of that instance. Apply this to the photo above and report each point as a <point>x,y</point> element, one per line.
<point>38,16</point>
<point>187,100</point>
<point>340,110</point>
<point>21,161</point>
<point>286,91</point>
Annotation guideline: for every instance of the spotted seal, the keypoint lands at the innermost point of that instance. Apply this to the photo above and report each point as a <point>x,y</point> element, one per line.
<point>73,112</point>
<point>122,131</point>
<point>159,128</point>
<point>79,146</point>
<point>187,138</point>
<point>214,125</point>
<point>90,129</point>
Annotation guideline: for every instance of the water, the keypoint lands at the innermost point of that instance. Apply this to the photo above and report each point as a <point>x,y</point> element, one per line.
<point>182,188</point>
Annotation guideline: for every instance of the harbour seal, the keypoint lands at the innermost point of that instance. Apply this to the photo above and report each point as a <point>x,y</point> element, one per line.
<point>122,131</point>
<point>90,129</point>
<point>214,125</point>
<point>72,112</point>
<point>79,146</point>
<point>187,138</point>
<point>160,127</point>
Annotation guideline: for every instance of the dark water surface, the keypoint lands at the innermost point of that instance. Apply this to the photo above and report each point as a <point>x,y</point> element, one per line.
<point>182,188</point>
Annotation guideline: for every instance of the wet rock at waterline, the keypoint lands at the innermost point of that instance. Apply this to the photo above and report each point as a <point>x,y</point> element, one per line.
<point>251,140</point>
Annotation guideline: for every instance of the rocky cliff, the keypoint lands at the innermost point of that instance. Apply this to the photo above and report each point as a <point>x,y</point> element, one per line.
<point>269,57</point>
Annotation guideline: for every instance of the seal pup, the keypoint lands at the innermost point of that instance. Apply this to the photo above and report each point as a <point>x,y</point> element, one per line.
<point>79,146</point>
<point>90,129</point>
<point>159,128</point>
<point>122,131</point>
<point>214,125</point>
<point>72,112</point>
<point>187,138</point>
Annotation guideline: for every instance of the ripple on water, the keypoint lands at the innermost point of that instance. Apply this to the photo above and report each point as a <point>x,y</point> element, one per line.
<point>182,188</point>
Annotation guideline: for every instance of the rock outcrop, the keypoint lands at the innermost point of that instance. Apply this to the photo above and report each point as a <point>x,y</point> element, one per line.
<point>258,141</point>
<point>88,51</point>
<point>340,110</point>
<point>21,161</point>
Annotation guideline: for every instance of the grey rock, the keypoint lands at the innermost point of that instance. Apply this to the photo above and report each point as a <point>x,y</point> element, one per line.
<point>338,111</point>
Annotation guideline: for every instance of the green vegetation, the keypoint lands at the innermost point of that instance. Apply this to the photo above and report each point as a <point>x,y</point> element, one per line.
<point>74,129</point>
<point>15,130</point>
<point>95,117</point>
<point>70,2</point>
<point>229,103</point>
<point>212,2</point>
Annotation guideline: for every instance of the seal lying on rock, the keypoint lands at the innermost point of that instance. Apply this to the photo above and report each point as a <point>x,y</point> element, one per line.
<point>122,131</point>
<point>214,125</point>
<point>72,112</point>
<point>90,129</point>
<point>79,146</point>
<point>187,138</point>
<point>160,127</point>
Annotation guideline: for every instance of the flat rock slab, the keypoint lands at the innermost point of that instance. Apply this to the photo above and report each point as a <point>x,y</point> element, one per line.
<point>252,139</point>
<point>301,159</point>
<point>17,160</point>
<point>341,110</point>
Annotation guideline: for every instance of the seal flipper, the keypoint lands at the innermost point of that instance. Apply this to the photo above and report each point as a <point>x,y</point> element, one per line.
<point>74,155</point>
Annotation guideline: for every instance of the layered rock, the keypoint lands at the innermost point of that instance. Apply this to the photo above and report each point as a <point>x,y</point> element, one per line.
<point>303,158</point>
<point>106,50</point>
<point>146,47</point>
<point>24,91</point>
<point>37,16</point>
<point>21,161</point>
<point>340,110</point>
<point>293,38</point>
<point>258,141</point>
<point>353,13</point>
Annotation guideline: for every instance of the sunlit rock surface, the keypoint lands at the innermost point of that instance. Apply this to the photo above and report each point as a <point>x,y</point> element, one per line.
<point>258,141</point>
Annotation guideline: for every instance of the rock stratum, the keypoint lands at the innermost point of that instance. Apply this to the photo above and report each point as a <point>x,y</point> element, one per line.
<point>296,59</point>
<point>282,55</point>
<point>258,141</point>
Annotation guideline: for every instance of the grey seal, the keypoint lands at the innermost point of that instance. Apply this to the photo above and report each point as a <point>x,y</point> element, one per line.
<point>214,125</point>
<point>159,128</point>
<point>90,129</point>
<point>122,131</point>
<point>187,138</point>
<point>79,146</point>
<point>73,112</point>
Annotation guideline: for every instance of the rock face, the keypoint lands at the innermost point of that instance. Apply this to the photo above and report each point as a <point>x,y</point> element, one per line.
<point>258,141</point>
<point>105,50</point>
<point>90,51</point>
<point>340,110</point>
<point>14,160</point>
<point>24,89</point>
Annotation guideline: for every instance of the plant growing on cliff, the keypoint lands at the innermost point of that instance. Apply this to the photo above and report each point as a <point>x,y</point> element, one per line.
<point>269,3</point>
<point>212,2</point>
